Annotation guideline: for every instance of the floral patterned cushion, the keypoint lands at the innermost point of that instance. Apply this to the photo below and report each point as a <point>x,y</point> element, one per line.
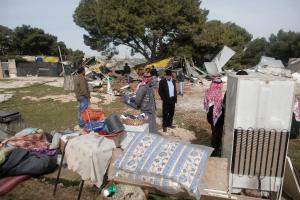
<point>169,186</point>
<point>164,160</point>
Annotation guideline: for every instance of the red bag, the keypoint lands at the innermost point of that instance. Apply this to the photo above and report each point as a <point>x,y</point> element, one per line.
<point>92,114</point>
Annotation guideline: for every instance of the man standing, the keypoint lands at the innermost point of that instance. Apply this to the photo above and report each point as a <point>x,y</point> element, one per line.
<point>180,78</point>
<point>145,100</point>
<point>126,72</point>
<point>154,75</point>
<point>168,94</point>
<point>82,93</point>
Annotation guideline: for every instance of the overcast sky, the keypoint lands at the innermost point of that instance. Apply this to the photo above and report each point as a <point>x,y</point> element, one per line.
<point>259,17</point>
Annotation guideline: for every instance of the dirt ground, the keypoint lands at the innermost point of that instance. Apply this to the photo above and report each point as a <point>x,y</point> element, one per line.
<point>36,189</point>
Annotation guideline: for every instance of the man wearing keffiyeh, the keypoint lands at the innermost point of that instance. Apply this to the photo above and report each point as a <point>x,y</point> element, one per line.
<point>213,105</point>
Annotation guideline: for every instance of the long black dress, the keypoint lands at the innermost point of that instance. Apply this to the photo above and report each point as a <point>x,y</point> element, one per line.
<point>217,131</point>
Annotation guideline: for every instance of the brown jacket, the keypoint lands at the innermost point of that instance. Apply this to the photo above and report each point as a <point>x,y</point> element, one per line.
<point>81,88</point>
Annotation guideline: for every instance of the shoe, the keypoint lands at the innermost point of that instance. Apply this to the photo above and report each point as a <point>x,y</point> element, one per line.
<point>172,126</point>
<point>164,129</point>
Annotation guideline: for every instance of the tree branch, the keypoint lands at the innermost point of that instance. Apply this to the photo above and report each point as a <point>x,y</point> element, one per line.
<point>136,48</point>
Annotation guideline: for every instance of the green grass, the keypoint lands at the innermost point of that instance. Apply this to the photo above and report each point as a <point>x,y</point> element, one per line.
<point>40,90</point>
<point>47,114</point>
<point>116,107</point>
<point>203,135</point>
<point>66,183</point>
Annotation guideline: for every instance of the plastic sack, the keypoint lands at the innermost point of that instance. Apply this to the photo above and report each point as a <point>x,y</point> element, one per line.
<point>130,101</point>
<point>92,114</point>
<point>164,162</point>
<point>94,126</point>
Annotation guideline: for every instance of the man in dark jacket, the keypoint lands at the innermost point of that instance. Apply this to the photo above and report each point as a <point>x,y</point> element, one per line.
<point>127,71</point>
<point>168,94</point>
<point>82,93</point>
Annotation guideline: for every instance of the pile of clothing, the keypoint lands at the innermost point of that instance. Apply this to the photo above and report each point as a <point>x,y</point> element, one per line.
<point>29,152</point>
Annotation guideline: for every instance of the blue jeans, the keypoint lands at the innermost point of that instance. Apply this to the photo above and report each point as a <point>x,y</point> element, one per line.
<point>83,104</point>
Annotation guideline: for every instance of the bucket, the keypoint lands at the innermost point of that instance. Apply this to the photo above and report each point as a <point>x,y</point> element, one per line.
<point>114,124</point>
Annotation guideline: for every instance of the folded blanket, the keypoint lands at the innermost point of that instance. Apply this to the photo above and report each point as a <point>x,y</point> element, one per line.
<point>30,142</point>
<point>151,155</point>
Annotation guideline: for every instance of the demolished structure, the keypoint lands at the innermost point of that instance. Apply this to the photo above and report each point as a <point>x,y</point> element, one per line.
<point>215,67</point>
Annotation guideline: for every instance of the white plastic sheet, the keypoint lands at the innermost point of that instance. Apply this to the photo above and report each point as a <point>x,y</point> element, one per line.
<point>223,57</point>
<point>219,61</point>
<point>269,62</point>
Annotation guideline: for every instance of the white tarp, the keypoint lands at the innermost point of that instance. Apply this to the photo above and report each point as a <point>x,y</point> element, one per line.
<point>211,68</point>
<point>223,57</point>
<point>189,70</point>
<point>269,62</point>
<point>215,66</point>
<point>269,65</point>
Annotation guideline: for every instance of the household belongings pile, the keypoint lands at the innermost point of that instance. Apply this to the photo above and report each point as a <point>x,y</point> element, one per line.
<point>30,153</point>
<point>89,154</point>
<point>167,165</point>
<point>134,120</point>
<point>95,121</point>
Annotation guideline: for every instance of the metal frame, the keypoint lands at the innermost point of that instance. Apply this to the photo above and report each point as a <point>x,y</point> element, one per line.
<point>59,171</point>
